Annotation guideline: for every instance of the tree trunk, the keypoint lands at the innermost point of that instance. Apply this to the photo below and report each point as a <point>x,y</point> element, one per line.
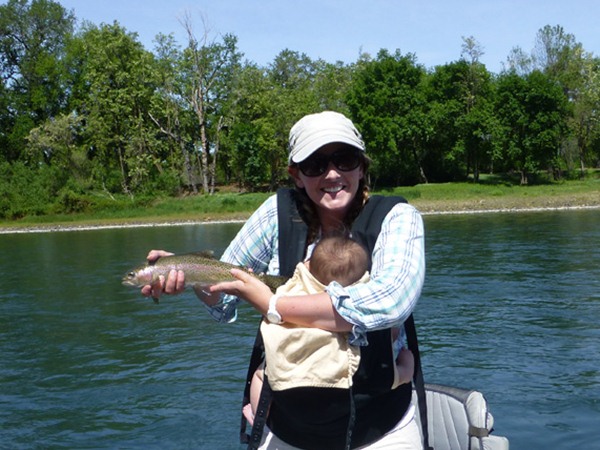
<point>524,178</point>
<point>213,163</point>
<point>198,105</point>
<point>176,136</point>
<point>418,163</point>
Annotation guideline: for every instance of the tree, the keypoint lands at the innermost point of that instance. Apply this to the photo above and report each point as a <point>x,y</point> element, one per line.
<point>460,96</point>
<point>519,62</point>
<point>471,50</point>
<point>208,69</point>
<point>477,123</point>
<point>387,101</point>
<point>250,141</point>
<point>585,121</point>
<point>532,112</point>
<point>331,85</point>
<point>559,56</point>
<point>55,143</point>
<point>33,37</point>
<point>554,53</point>
<point>117,82</point>
<point>291,78</point>
<point>460,102</point>
<point>169,112</point>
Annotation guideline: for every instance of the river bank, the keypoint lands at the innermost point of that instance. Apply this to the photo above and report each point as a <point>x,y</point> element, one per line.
<point>487,205</point>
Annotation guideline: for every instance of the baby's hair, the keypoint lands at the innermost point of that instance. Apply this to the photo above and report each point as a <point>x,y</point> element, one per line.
<point>339,258</point>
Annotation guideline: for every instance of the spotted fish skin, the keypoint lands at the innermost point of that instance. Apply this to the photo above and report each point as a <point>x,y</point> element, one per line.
<point>199,268</point>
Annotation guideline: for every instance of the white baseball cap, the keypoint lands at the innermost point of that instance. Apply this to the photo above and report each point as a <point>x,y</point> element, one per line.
<point>316,130</point>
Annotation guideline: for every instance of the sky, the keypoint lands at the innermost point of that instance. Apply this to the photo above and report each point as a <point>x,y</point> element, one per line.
<point>340,30</point>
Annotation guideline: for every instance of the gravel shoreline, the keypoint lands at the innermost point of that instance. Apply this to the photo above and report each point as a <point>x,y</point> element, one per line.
<point>425,211</point>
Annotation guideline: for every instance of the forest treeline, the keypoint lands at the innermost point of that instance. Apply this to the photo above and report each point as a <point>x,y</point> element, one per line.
<point>88,113</point>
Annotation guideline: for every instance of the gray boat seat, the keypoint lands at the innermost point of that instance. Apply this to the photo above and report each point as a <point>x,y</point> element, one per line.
<point>459,419</point>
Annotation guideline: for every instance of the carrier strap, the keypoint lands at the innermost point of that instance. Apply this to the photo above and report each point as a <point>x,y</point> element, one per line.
<point>260,418</point>
<point>292,244</point>
<point>293,232</point>
<point>366,229</point>
<point>413,345</point>
<point>255,359</point>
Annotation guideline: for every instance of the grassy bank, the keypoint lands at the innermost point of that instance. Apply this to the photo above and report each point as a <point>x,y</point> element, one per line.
<point>490,195</point>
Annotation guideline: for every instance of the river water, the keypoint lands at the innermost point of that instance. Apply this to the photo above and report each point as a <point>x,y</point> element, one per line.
<point>511,307</point>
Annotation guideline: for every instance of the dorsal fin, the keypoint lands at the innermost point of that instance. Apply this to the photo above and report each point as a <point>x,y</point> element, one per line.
<point>205,254</point>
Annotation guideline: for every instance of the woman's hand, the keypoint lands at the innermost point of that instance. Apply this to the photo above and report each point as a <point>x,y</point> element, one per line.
<point>245,286</point>
<point>315,310</point>
<point>173,284</point>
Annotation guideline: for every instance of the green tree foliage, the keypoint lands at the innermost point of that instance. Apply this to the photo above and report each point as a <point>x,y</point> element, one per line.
<point>387,100</point>
<point>208,70</point>
<point>119,82</point>
<point>192,105</point>
<point>250,138</point>
<point>267,102</point>
<point>54,143</point>
<point>33,39</point>
<point>460,99</point>
<point>93,111</point>
<point>559,56</point>
<point>532,111</point>
<point>291,77</point>
<point>585,121</point>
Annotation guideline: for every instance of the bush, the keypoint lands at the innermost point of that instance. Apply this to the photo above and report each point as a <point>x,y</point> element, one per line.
<point>28,191</point>
<point>71,202</point>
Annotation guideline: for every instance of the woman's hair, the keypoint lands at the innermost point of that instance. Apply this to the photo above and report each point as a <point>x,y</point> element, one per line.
<point>309,213</point>
<point>338,258</point>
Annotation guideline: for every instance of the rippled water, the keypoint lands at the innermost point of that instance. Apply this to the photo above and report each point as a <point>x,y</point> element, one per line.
<point>511,307</point>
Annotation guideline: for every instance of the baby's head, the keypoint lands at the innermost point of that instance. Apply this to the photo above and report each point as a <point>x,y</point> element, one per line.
<point>338,258</point>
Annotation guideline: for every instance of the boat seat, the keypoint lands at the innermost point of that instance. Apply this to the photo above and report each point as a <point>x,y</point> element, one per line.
<point>459,419</point>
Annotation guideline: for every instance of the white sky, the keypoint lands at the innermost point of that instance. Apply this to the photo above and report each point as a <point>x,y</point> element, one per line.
<point>337,30</point>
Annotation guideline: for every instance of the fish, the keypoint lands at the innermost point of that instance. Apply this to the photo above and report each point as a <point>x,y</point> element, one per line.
<point>200,268</point>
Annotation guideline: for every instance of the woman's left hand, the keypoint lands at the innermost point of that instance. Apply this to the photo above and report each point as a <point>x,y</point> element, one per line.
<point>248,287</point>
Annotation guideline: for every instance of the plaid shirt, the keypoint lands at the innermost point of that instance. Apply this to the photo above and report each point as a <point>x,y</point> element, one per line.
<point>397,272</point>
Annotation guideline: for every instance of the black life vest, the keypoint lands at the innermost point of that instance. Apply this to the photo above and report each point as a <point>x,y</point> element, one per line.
<point>331,418</point>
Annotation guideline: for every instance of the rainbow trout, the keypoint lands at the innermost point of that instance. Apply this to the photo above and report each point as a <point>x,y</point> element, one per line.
<point>199,268</point>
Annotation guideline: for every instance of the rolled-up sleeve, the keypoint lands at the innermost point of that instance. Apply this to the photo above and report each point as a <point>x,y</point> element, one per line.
<point>253,247</point>
<point>397,276</point>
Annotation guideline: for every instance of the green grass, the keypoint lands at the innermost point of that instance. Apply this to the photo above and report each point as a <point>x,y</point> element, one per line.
<point>490,194</point>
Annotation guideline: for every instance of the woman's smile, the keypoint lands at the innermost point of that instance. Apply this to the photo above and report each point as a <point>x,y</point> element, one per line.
<point>333,189</point>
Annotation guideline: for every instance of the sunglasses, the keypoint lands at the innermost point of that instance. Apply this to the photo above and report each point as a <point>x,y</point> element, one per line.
<point>344,160</point>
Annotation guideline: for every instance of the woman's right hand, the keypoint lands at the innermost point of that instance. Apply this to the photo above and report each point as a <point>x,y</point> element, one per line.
<point>173,284</point>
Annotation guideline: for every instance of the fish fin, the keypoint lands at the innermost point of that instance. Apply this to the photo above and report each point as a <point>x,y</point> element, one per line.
<point>205,253</point>
<point>273,281</point>
<point>156,301</point>
<point>201,288</point>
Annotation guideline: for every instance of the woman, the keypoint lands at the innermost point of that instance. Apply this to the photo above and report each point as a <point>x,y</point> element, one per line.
<point>328,164</point>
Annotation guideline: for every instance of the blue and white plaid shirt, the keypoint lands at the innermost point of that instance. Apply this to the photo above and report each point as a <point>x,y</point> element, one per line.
<point>386,301</point>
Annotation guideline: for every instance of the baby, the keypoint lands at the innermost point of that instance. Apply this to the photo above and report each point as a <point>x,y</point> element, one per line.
<point>334,258</point>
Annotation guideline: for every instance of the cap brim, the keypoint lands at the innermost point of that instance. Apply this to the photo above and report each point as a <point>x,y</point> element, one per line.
<point>321,141</point>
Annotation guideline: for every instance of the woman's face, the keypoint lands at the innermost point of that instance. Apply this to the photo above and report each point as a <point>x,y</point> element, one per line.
<point>332,191</point>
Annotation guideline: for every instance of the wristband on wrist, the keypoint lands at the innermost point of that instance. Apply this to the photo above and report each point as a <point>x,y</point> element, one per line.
<point>273,315</point>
